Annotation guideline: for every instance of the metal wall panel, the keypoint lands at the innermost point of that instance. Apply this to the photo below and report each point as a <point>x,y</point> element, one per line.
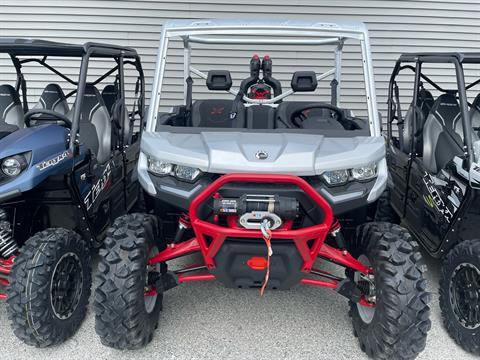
<point>395,26</point>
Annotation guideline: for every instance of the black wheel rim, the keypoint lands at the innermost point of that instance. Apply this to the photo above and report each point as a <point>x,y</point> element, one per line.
<point>66,286</point>
<point>465,295</point>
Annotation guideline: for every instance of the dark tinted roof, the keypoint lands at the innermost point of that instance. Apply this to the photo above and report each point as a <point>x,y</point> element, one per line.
<point>470,57</point>
<point>31,47</point>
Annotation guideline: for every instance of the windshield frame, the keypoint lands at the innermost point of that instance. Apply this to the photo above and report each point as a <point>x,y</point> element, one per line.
<point>268,32</point>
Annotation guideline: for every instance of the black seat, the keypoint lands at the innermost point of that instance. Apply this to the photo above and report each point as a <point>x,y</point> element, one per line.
<point>441,143</point>
<point>474,118</point>
<point>316,118</point>
<point>11,111</point>
<point>121,122</point>
<point>95,127</point>
<point>109,96</point>
<point>410,131</point>
<point>260,117</point>
<point>53,98</point>
<point>120,119</point>
<point>216,114</point>
<point>425,102</point>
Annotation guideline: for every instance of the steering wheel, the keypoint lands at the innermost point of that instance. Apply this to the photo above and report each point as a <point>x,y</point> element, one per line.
<point>298,115</point>
<point>54,114</point>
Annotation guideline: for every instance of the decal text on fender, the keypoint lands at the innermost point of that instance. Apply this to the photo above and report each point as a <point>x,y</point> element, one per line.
<point>98,187</point>
<point>435,198</point>
<point>54,161</point>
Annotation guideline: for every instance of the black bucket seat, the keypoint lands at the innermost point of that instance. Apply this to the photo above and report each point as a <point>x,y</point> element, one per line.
<point>216,114</point>
<point>53,98</point>
<point>95,127</point>
<point>441,143</point>
<point>11,111</point>
<point>410,131</point>
<point>474,118</point>
<point>109,96</point>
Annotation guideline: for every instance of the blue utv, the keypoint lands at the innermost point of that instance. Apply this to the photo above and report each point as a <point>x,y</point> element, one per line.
<point>67,170</point>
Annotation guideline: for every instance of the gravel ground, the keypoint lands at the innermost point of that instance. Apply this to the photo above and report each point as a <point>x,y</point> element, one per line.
<point>212,322</point>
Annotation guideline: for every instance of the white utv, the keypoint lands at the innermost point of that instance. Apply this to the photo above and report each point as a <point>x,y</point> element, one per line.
<point>262,187</point>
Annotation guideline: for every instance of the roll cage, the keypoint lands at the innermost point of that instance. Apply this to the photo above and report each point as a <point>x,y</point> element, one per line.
<point>413,62</point>
<point>23,51</point>
<point>271,32</point>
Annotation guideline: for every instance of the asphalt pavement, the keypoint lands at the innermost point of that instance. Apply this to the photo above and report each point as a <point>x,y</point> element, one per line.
<point>208,321</point>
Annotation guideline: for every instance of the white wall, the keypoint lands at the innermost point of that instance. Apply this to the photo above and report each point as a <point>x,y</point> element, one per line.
<point>395,27</point>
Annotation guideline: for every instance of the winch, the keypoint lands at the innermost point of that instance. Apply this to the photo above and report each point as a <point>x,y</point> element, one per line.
<point>252,210</point>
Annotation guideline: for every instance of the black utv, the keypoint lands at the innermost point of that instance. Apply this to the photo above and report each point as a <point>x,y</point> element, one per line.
<point>67,170</point>
<point>433,156</point>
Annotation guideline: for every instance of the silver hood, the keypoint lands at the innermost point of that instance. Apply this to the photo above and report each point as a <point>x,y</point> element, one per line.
<point>296,154</point>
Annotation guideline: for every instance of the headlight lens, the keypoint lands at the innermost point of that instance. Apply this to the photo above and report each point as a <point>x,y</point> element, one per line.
<point>181,172</point>
<point>336,177</point>
<point>160,167</point>
<point>14,165</point>
<point>364,172</point>
<point>187,173</point>
<point>341,177</point>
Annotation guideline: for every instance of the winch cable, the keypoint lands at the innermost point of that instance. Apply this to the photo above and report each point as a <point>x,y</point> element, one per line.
<point>267,235</point>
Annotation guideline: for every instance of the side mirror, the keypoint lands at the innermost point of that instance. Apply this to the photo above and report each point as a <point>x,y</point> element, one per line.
<point>303,81</point>
<point>219,80</point>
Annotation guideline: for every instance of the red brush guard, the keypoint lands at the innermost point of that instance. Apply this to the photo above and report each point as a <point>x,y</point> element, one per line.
<point>309,241</point>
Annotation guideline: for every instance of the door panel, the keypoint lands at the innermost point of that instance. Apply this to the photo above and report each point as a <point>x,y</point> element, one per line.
<point>398,163</point>
<point>417,215</point>
<point>101,190</point>
<point>132,186</point>
<point>116,195</point>
<point>433,202</point>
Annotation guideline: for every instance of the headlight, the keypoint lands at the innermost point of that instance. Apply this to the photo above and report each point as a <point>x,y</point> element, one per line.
<point>365,172</point>
<point>12,166</point>
<point>336,177</point>
<point>187,173</point>
<point>181,172</point>
<point>341,177</point>
<point>160,167</point>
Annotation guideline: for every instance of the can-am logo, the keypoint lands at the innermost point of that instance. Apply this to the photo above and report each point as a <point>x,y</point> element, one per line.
<point>261,155</point>
<point>54,161</point>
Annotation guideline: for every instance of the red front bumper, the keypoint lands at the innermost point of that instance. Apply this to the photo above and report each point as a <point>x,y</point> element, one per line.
<point>309,241</point>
